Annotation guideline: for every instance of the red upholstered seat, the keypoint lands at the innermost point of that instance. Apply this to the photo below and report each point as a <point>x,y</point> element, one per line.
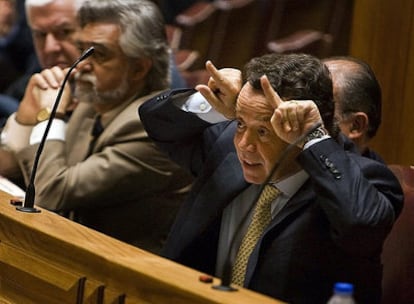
<point>398,252</point>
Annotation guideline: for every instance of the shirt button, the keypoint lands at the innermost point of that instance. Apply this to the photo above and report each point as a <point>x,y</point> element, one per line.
<point>203,106</point>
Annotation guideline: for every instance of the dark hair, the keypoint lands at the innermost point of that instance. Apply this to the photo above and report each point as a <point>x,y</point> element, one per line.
<point>296,76</point>
<point>359,91</point>
<point>143,33</point>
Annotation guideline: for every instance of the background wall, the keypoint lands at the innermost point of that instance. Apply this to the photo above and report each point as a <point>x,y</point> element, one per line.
<point>383,35</point>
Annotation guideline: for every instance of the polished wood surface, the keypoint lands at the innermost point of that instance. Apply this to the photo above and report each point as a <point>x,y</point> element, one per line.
<point>383,35</point>
<point>45,258</point>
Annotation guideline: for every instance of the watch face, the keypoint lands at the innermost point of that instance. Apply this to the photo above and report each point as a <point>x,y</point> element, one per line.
<point>318,133</point>
<point>44,114</point>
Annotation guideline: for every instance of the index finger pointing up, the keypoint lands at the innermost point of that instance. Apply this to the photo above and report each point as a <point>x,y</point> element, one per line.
<point>214,73</point>
<point>270,94</point>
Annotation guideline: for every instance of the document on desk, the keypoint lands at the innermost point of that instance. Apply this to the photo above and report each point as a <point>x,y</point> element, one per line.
<point>10,188</point>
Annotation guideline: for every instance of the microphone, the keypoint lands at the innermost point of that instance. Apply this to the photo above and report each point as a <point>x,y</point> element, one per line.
<point>28,205</point>
<point>228,266</point>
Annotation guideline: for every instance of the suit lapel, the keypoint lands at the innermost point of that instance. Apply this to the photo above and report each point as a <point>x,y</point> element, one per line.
<point>194,216</point>
<point>78,133</point>
<point>300,200</point>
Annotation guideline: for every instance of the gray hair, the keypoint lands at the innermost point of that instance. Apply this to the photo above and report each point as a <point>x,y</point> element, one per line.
<point>143,33</point>
<point>36,3</point>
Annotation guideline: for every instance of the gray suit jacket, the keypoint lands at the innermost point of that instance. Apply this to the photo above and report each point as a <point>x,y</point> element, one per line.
<point>127,188</point>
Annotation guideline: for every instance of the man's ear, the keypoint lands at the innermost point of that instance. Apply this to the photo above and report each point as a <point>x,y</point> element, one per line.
<point>359,125</point>
<point>140,68</point>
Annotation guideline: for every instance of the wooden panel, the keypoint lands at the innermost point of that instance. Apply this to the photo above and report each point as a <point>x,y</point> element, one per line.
<point>382,35</point>
<point>407,118</point>
<point>21,271</point>
<point>45,258</point>
<point>94,292</point>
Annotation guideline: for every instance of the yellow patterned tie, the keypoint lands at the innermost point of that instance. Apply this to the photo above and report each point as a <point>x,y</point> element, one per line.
<point>261,218</point>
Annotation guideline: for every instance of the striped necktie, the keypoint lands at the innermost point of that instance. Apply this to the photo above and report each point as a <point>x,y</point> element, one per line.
<point>261,218</point>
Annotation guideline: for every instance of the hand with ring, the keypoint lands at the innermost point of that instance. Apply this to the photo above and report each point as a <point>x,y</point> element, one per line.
<point>291,118</point>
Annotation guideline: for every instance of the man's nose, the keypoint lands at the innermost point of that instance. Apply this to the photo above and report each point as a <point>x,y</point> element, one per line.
<point>85,65</point>
<point>246,142</point>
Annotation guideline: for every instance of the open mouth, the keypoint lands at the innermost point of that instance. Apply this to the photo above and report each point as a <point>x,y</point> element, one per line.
<point>250,164</point>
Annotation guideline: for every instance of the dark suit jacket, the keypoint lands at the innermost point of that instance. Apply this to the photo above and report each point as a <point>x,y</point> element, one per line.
<point>331,230</point>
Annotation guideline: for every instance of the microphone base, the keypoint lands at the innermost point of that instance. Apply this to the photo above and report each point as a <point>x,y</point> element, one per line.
<point>224,288</point>
<point>28,209</point>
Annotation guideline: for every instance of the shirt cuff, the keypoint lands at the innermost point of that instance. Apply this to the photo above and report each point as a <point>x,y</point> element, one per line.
<point>314,141</point>
<point>15,136</point>
<point>57,131</point>
<point>198,105</point>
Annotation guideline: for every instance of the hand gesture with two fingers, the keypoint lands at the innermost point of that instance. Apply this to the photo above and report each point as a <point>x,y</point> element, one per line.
<point>293,118</point>
<point>222,89</point>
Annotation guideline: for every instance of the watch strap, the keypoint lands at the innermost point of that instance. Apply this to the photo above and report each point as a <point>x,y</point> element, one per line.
<point>317,133</point>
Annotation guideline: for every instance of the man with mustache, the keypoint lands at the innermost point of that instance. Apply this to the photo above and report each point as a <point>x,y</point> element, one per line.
<point>120,184</point>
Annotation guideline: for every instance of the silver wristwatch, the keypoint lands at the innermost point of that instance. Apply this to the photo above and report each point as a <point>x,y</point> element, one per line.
<point>317,133</point>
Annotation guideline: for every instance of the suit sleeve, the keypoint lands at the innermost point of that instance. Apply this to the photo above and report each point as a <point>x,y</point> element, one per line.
<point>183,135</point>
<point>128,167</point>
<point>360,197</point>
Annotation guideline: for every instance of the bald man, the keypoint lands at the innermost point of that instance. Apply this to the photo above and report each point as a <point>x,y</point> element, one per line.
<point>357,97</point>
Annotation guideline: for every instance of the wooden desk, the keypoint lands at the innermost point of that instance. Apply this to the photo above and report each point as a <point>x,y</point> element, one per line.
<point>45,258</point>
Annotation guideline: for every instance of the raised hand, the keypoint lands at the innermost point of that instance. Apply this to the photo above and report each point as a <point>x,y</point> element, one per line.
<point>222,89</point>
<point>291,118</point>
